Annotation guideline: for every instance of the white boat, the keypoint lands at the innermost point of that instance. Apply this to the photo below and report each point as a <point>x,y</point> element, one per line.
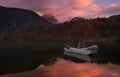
<point>84,51</point>
<point>78,56</point>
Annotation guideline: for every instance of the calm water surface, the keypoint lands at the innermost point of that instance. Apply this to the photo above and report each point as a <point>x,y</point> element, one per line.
<point>104,65</point>
<point>67,68</point>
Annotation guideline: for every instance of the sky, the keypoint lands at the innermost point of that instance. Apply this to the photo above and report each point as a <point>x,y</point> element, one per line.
<point>66,9</point>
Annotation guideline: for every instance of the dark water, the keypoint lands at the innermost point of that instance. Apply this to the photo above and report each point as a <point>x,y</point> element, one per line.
<point>39,60</point>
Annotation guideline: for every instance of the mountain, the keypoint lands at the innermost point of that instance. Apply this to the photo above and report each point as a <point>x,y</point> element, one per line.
<point>114,17</point>
<point>90,28</point>
<point>50,18</point>
<point>77,19</point>
<point>14,18</point>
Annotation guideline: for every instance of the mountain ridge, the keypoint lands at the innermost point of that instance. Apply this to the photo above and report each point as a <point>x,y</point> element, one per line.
<point>13,18</point>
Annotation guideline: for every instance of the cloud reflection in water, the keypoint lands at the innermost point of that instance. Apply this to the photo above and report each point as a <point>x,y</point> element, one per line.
<point>63,68</point>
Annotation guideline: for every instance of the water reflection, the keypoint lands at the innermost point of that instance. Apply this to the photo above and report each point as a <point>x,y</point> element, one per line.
<point>64,68</point>
<point>79,56</point>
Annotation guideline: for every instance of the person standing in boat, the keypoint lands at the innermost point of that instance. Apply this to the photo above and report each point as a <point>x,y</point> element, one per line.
<point>67,46</point>
<point>81,45</point>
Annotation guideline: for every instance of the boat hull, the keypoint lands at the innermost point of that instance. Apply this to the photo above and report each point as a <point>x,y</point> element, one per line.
<point>79,56</point>
<point>85,51</point>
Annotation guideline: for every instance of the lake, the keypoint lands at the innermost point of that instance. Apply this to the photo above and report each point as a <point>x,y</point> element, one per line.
<point>46,59</point>
<point>68,68</point>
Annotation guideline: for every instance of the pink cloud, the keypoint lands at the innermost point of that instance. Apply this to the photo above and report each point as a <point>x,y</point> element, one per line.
<point>112,9</point>
<point>69,9</point>
<point>95,8</point>
<point>63,9</point>
<point>80,3</point>
<point>113,5</point>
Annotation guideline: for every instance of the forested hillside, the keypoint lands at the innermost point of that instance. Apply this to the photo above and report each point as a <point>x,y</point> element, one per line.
<point>98,28</point>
